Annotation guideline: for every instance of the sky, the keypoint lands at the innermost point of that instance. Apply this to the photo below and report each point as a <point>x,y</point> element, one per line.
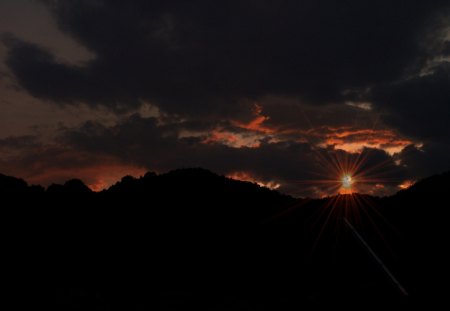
<point>290,94</point>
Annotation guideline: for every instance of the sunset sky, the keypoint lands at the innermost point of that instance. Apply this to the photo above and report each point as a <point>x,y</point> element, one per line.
<point>284,93</point>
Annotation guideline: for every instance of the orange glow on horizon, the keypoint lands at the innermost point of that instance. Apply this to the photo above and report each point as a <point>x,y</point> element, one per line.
<point>344,191</point>
<point>96,177</point>
<point>406,184</point>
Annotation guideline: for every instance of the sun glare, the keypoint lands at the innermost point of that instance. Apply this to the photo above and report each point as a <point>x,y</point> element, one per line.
<point>347,181</point>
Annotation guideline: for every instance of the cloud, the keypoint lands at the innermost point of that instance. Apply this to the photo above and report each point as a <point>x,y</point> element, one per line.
<point>263,89</point>
<point>431,158</point>
<point>101,154</point>
<point>294,166</point>
<point>17,142</point>
<point>420,106</point>
<point>199,57</point>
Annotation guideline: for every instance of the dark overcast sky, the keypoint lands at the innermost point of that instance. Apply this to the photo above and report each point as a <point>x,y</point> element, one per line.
<point>287,93</point>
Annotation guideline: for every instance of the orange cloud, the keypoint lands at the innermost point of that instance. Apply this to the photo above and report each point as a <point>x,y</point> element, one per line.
<point>347,138</point>
<point>235,140</point>
<point>256,124</point>
<point>354,140</point>
<point>406,184</point>
<point>255,131</point>
<point>222,137</point>
<point>244,176</point>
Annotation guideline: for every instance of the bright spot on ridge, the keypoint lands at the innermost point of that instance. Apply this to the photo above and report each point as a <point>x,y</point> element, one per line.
<point>347,181</point>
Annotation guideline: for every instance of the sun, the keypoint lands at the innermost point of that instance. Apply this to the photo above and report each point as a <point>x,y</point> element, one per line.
<point>345,173</point>
<point>347,181</point>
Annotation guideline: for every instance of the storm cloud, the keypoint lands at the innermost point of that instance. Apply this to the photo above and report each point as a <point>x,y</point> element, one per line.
<point>260,87</point>
<point>190,57</point>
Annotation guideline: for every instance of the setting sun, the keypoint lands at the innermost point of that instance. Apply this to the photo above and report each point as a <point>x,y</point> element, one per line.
<point>347,182</point>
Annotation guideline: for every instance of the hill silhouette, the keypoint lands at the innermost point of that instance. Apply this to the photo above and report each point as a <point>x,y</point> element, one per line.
<point>193,239</point>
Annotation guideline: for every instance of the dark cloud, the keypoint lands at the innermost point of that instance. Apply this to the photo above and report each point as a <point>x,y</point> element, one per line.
<point>39,73</point>
<point>290,112</point>
<point>430,159</point>
<point>17,142</point>
<point>446,49</point>
<point>287,75</point>
<point>419,106</point>
<point>199,56</point>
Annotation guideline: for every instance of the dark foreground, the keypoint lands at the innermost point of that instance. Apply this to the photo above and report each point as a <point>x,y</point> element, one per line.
<point>194,240</point>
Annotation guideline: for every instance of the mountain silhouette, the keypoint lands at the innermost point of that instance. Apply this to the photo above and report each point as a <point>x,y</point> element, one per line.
<point>194,239</point>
